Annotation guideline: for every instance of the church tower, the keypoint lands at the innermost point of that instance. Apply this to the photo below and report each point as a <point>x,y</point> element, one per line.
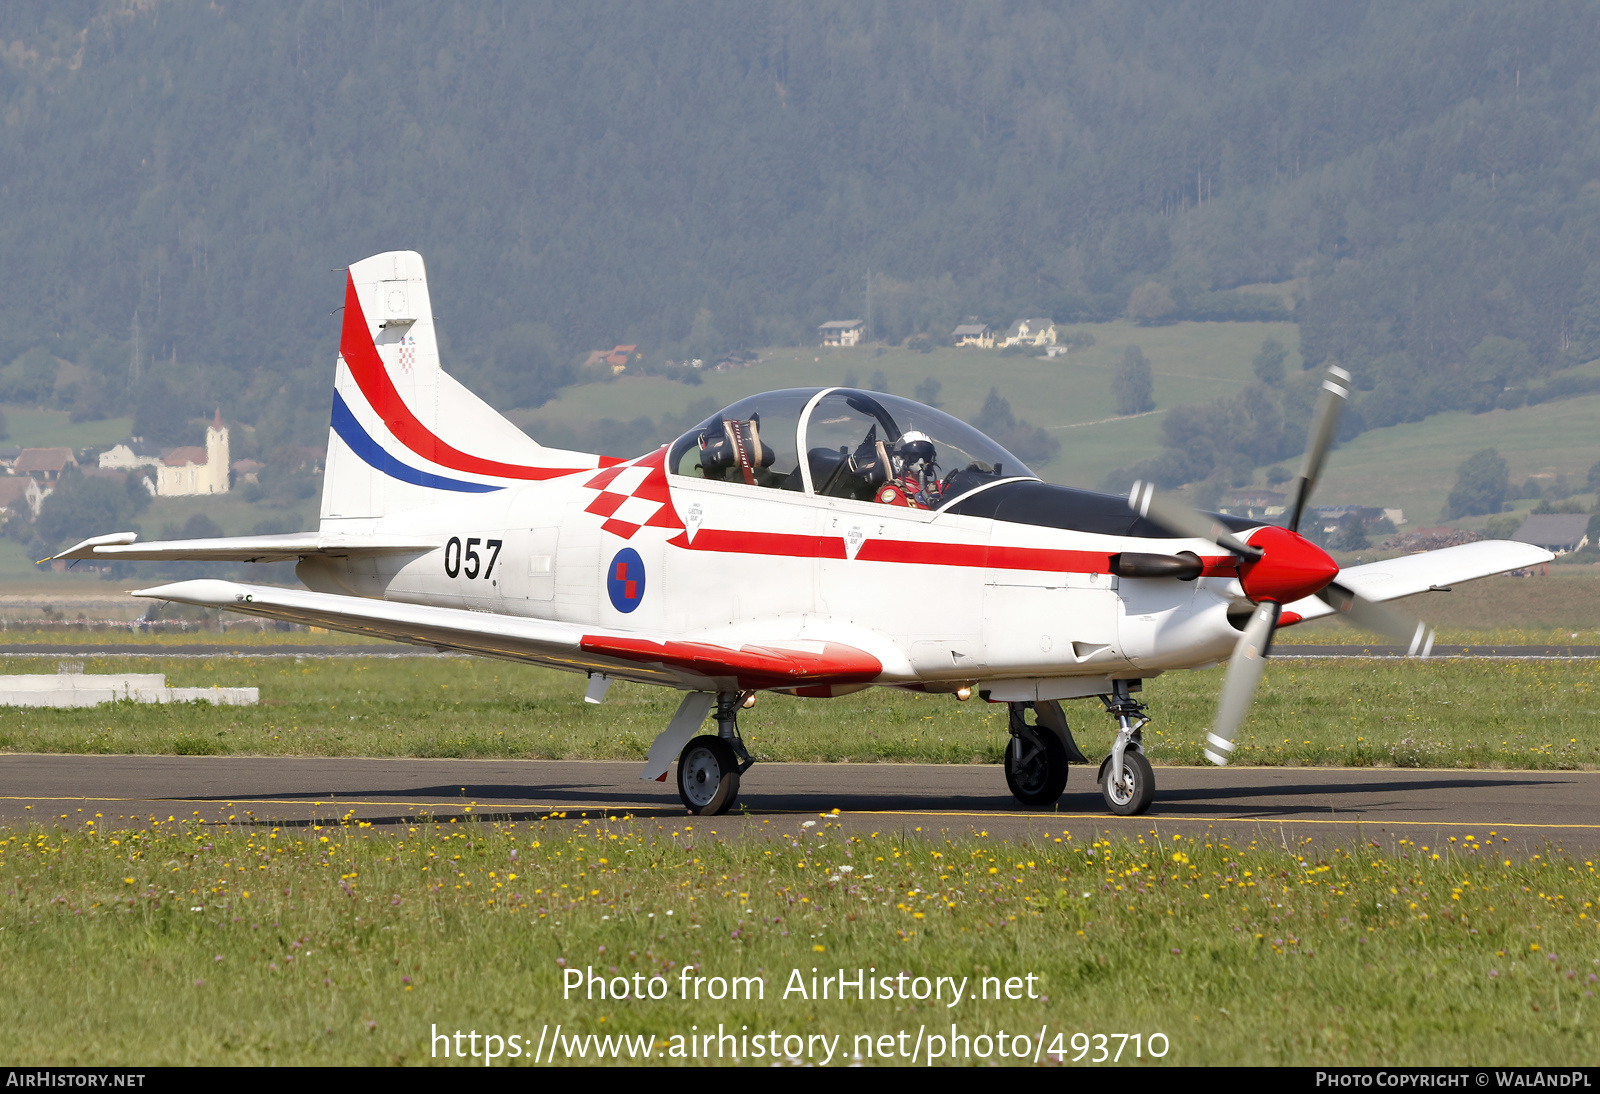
<point>217,462</point>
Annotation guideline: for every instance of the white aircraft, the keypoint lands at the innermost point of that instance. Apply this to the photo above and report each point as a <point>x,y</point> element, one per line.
<point>812,541</point>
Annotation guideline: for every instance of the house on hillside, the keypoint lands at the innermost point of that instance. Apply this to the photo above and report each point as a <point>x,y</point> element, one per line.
<point>1330,516</point>
<point>1031,332</point>
<point>1557,533</point>
<point>1254,504</point>
<point>130,455</point>
<point>842,332</point>
<point>44,464</point>
<point>973,334</point>
<point>191,470</point>
<point>19,493</point>
<point>617,359</point>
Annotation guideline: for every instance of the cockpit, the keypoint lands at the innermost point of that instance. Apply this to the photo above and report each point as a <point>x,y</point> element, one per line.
<point>866,446</point>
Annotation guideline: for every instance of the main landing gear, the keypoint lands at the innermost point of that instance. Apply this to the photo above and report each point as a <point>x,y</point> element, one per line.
<point>1038,753</point>
<point>1040,750</point>
<point>709,767</point>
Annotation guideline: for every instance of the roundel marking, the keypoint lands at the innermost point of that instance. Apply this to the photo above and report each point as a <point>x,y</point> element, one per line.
<point>625,580</point>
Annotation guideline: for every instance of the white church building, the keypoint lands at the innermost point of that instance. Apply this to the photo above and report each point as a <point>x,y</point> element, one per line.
<point>191,470</point>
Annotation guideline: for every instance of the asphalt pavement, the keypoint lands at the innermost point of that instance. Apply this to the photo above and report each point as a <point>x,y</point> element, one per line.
<point>1532,810</point>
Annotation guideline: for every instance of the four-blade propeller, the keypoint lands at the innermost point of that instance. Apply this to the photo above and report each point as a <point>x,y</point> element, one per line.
<point>1278,566</point>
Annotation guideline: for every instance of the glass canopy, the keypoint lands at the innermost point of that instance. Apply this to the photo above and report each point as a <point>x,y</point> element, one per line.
<point>858,444</point>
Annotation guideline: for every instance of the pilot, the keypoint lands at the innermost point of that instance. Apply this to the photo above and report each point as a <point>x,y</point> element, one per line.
<point>915,481</point>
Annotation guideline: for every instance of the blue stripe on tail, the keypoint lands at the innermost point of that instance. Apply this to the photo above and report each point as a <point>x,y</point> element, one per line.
<point>362,444</point>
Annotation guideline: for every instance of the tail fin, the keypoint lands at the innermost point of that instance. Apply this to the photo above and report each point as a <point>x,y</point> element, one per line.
<point>405,434</point>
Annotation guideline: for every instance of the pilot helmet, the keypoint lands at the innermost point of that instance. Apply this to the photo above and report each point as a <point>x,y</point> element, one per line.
<point>915,446</point>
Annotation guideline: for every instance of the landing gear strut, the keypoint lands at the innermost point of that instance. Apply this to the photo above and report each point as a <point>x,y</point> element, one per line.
<point>1126,781</point>
<point>709,767</point>
<point>1038,753</point>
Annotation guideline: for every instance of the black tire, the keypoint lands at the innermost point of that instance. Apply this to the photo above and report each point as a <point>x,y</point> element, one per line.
<point>1138,785</point>
<point>708,776</point>
<point>1040,776</point>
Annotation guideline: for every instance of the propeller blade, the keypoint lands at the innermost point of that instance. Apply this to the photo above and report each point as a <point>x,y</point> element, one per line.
<point>1335,391</point>
<point>1369,616</point>
<point>1181,520</point>
<point>1245,667</point>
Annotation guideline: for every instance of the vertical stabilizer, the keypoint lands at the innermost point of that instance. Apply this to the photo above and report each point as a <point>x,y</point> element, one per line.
<point>404,434</point>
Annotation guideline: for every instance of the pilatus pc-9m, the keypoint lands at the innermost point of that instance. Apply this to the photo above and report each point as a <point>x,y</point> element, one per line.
<point>811,541</point>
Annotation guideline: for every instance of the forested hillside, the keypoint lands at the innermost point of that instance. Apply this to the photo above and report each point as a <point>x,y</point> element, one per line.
<point>696,177</point>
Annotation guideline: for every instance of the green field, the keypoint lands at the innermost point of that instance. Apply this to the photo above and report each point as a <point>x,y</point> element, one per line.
<point>184,943</point>
<point>1472,714</point>
<point>1410,466</point>
<point>1070,396</point>
<point>32,427</point>
<point>1413,466</point>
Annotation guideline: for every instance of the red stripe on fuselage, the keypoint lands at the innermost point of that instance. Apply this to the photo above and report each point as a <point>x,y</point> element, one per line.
<point>903,552</point>
<point>361,357</point>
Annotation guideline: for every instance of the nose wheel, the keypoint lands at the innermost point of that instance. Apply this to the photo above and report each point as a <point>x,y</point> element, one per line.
<point>1126,781</point>
<point>1130,795</point>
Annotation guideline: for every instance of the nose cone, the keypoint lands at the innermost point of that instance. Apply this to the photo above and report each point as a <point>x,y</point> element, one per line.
<point>1292,567</point>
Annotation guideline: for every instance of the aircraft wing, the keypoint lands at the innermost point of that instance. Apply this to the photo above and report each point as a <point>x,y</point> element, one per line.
<point>1409,575</point>
<point>123,546</point>
<point>630,655</point>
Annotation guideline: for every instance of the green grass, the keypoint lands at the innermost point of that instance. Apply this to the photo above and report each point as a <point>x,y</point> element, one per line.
<point>1470,714</point>
<point>1192,362</point>
<point>1558,609</point>
<point>254,945</point>
<point>1413,466</point>
<point>1410,466</point>
<point>32,427</point>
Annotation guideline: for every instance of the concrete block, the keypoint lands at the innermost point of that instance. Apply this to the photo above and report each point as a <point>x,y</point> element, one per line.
<point>78,689</point>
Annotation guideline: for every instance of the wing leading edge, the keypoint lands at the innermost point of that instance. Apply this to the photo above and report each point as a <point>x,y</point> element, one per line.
<point>1409,575</point>
<point>629,655</point>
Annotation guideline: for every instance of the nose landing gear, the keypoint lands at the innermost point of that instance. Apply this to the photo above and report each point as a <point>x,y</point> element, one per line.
<point>709,767</point>
<point>1126,781</point>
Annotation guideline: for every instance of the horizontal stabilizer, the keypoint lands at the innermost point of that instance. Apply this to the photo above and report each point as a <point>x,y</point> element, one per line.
<point>1409,575</point>
<point>123,546</point>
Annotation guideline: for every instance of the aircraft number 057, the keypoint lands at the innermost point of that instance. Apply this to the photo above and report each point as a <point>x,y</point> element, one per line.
<point>467,561</point>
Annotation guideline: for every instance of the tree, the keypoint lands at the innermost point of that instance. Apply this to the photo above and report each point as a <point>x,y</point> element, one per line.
<point>1268,362</point>
<point>928,391</point>
<point>1133,384</point>
<point>1594,478</point>
<point>1150,303</point>
<point>1494,363</point>
<point>1028,442</point>
<point>1481,484</point>
<point>1351,535</point>
<point>160,417</point>
<point>81,507</point>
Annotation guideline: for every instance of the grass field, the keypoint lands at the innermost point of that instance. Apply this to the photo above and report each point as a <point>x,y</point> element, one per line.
<point>258,945</point>
<point>31,427</point>
<point>1560,608</point>
<point>1070,396</point>
<point>1474,714</point>
<point>1413,466</point>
